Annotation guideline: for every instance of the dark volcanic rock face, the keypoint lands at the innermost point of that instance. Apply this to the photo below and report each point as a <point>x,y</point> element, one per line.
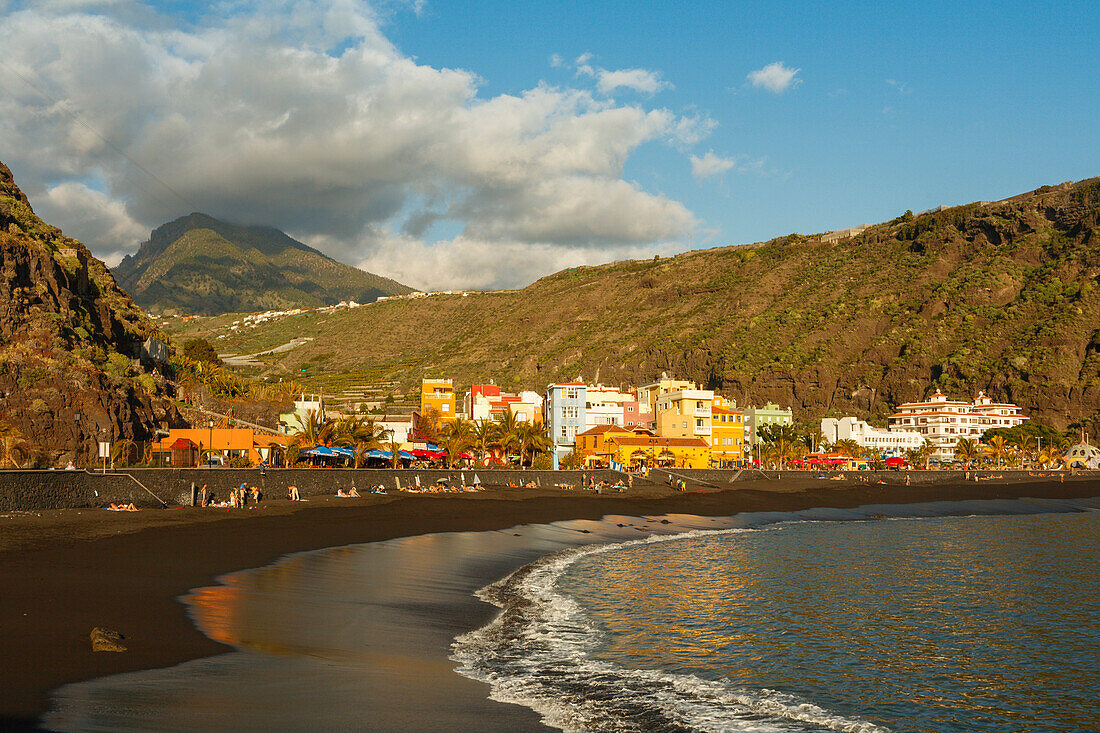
<point>69,338</point>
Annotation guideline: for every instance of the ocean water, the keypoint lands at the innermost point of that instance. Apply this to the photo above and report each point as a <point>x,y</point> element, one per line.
<point>947,616</point>
<point>974,623</point>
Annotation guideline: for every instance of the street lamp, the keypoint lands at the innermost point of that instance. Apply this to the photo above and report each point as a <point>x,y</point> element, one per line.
<point>210,443</point>
<point>76,450</point>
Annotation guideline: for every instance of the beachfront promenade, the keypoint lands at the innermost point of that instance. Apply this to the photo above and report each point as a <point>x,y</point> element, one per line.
<point>154,487</point>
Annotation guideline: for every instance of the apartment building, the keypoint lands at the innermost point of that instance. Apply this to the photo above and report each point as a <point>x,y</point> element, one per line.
<point>727,443</point>
<point>685,413</point>
<point>758,417</point>
<point>612,406</point>
<point>941,422</point>
<point>564,414</point>
<point>438,395</point>
<point>885,443</point>
<point>488,402</point>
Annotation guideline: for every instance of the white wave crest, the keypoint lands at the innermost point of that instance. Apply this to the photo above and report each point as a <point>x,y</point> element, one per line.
<point>537,653</point>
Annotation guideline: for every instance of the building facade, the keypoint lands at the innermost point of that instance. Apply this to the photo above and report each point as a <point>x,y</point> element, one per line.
<point>727,443</point>
<point>758,417</point>
<point>942,422</point>
<point>885,443</point>
<point>564,413</point>
<point>611,406</point>
<point>438,395</point>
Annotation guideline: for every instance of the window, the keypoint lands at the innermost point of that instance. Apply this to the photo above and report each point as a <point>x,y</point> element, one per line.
<point>571,393</point>
<point>446,407</point>
<point>630,408</point>
<point>698,422</point>
<point>685,424</point>
<point>564,432</point>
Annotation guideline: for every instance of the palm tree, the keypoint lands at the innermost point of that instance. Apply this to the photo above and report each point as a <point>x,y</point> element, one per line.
<point>1050,456</point>
<point>536,440</point>
<point>394,449</point>
<point>966,450</point>
<point>457,437</point>
<point>848,447</point>
<point>121,452</point>
<point>12,447</point>
<point>997,449</point>
<point>485,434</point>
<point>507,433</point>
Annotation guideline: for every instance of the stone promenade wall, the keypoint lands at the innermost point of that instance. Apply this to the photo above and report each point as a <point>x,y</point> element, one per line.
<point>32,490</point>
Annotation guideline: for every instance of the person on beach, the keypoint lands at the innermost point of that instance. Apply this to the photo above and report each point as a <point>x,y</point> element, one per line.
<point>256,495</point>
<point>203,498</point>
<point>122,507</point>
<point>292,493</point>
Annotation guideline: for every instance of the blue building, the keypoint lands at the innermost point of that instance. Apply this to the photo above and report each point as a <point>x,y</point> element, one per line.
<point>564,416</point>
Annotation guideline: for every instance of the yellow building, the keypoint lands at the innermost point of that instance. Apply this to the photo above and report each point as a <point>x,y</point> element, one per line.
<point>648,393</point>
<point>640,447</point>
<point>727,444</point>
<point>438,395</point>
<point>685,413</point>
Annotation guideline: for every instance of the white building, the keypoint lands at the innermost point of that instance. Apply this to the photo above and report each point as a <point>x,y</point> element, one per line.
<point>885,443</point>
<point>942,421</point>
<point>612,406</point>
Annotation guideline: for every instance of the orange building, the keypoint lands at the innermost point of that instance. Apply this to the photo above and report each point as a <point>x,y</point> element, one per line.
<point>606,443</point>
<point>226,443</point>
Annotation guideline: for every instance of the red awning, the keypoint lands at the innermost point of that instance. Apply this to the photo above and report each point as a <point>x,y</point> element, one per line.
<point>895,461</point>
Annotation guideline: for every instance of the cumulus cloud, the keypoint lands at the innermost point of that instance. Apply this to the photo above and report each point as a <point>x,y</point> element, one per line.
<point>464,262</point>
<point>302,115</point>
<point>710,165</point>
<point>608,82</point>
<point>98,217</point>
<point>774,77</point>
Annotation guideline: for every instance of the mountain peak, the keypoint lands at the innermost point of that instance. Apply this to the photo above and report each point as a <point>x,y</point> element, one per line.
<point>200,264</point>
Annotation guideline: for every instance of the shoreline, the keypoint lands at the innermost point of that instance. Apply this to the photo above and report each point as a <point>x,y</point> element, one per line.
<point>67,571</point>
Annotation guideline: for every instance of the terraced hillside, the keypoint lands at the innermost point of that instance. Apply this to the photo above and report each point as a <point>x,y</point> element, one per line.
<point>197,264</point>
<point>999,296</point>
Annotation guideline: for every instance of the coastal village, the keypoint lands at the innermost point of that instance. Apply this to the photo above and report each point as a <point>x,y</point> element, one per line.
<point>668,423</point>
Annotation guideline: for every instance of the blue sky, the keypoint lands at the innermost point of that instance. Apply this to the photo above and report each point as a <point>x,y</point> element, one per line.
<point>487,144</point>
<point>898,105</point>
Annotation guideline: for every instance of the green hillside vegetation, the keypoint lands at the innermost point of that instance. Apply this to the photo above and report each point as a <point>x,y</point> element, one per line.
<point>1000,297</point>
<point>198,264</point>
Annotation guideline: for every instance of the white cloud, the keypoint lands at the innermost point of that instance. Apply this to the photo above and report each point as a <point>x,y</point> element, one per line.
<point>774,77</point>
<point>556,60</point>
<point>607,82</point>
<point>303,116</point>
<point>640,80</point>
<point>464,263</point>
<point>104,223</point>
<point>710,165</point>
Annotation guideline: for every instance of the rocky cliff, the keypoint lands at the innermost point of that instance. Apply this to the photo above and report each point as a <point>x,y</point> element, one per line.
<point>69,342</point>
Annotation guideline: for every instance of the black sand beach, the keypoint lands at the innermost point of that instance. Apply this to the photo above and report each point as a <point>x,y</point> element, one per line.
<point>67,571</point>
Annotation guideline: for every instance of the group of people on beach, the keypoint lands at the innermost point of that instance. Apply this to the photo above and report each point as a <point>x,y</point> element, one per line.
<point>238,498</point>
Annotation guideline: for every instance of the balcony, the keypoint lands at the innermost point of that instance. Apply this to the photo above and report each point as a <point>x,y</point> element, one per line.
<point>701,412</point>
<point>701,430</point>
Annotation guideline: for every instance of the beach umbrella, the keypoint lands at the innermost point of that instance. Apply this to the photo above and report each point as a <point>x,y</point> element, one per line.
<point>379,454</point>
<point>895,462</point>
<point>405,455</point>
<point>321,451</point>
